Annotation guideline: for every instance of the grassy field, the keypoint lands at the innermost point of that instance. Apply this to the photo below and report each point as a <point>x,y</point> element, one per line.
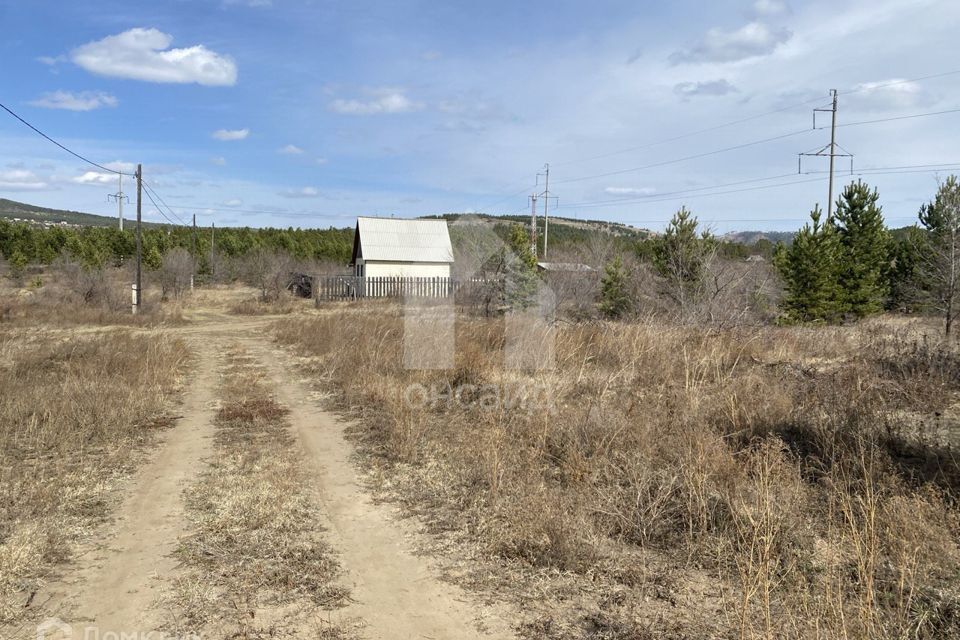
<point>672,482</point>
<point>76,411</point>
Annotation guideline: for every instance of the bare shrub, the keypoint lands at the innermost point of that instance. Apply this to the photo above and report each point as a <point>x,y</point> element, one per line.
<point>89,285</point>
<point>271,272</point>
<point>176,273</point>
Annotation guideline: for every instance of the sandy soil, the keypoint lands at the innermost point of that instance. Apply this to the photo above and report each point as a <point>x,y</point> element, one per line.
<point>396,594</point>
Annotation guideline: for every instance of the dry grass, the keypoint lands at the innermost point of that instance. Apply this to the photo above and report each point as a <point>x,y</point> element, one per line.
<point>257,548</point>
<point>757,483</point>
<point>282,305</point>
<point>74,412</point>
<point>51,301</point>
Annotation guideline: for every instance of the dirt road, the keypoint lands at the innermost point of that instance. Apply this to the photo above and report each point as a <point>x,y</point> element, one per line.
<point>116,581</point>
<point>395,593</point>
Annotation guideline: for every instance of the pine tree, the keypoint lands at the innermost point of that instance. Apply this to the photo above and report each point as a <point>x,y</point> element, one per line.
<point>905,277</point>
<point>615,302</point>
<point>809,268</point>
<point>939,266</point>
<point>521,269</point>
<point>680,255</point>
<point>864,256</point>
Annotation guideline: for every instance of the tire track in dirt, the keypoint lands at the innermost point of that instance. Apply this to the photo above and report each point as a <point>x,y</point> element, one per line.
<point>113,588</point>
<point>395,593</point>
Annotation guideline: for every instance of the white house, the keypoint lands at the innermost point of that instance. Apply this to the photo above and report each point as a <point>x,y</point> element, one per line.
<point>397,247</point>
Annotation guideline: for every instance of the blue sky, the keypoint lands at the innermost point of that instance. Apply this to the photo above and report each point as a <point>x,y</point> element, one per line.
<point>285,112</point>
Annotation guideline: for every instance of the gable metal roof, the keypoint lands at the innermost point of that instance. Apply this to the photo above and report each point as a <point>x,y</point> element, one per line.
<point>402,240</point>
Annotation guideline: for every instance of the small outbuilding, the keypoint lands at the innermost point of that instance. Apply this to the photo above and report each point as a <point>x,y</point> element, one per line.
<point>401,248</point>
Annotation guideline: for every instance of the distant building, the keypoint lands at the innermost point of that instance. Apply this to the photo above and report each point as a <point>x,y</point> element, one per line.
<point>401,248</point>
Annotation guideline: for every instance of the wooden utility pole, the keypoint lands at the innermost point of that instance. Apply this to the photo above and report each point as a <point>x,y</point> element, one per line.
<point>138,294</point>
<point>193,275</point>
<point>213,243</point>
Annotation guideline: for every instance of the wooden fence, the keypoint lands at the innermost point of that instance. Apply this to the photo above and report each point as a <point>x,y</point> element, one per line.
<point>356,287</point>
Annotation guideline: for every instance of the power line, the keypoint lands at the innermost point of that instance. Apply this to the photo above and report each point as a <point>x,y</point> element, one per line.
<point>703,195</point>
<point>159,210</point>
<point>685,158</point>
<point>70,151</point>
<point>680,192</point>
<point>859,89</point>
<point>891,119</point>
<point>896,82</point>
<point>744,145</point>
<point>172,212</point>
<point>669,195</point>
<point>691,134</point>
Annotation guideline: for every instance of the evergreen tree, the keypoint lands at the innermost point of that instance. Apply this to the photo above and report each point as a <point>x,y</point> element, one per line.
<point>809,268</point>
<point>939,259</point>
<point>615,302</point>
<point>905,278</point>
<point>520,269</point>
<point>680,255</point>
<point>864,255</point>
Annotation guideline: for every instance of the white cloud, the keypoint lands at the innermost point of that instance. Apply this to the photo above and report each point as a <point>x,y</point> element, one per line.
<point>629,191</point>
<point>382,101</point>
<point>144,54</point>
<point>227,135</point>
<point>719,87</point>
<point>219,161</point>
<point>94,177</point>
<point>290,150</point>
<point>82,101</point>
<point>770,7</point>
<point>233,202</point>
<point>321,161</point>
<point>52,60</point>
<point>21,180</point>
<point>306,192</point>
<point>894,93</point>
<point>749,41</point>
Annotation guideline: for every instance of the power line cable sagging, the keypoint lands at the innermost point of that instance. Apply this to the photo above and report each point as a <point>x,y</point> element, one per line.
<point>65,148</point>
<point>147,190</point>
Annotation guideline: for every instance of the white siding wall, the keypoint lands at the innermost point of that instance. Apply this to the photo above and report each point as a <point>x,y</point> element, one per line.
<point>406,270</point>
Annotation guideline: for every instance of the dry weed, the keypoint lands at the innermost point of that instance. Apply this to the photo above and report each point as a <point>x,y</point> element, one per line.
<point>768,463</point>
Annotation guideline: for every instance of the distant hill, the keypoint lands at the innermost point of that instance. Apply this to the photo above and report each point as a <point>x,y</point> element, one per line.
<point>751,237</point>
<point>613,228</point>
<point>11,209</point>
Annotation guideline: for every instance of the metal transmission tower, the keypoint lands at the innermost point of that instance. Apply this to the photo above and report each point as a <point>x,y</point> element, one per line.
<point>830,150</point>
<point>119,196</point>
